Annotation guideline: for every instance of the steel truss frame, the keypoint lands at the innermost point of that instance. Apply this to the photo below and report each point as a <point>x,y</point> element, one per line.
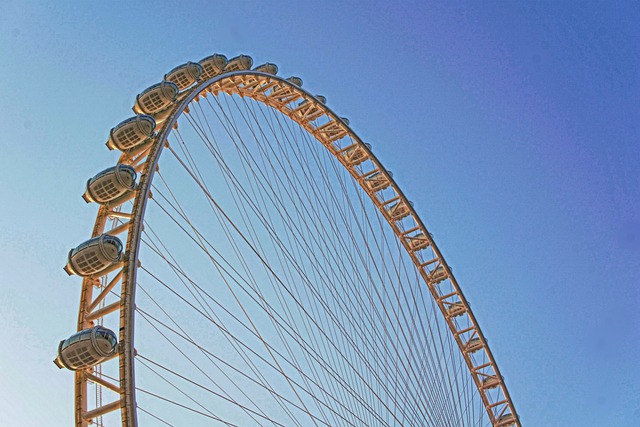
<point>329,129</point>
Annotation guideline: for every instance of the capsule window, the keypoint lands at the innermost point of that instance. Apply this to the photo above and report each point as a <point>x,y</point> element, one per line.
<point>153,102</point>
<point>80,357</point>
<point>181,79</point>
<point>89,263</point>
<point>76,356</point>
<point>105,190</point>
<point>127,136</point>
<point>210,71</point>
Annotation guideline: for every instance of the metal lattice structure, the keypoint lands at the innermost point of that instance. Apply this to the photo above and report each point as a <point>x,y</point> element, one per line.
<point>338,138</point>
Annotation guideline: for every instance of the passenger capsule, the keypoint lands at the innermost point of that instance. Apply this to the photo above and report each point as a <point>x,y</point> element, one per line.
<point>86,348</point>
<point>240,62</point>
<point>131,132</point>
<point>398,211</point>
<point>377,182</point>
<point>473,345</point>
<point>268,68</point>
<point>506,420</point>
<point>456,310</point>
<point>355,155</point>
<point>345,120</point>
<point>438,275</point>
<point>156,98</point>
<point>295,80</point>
<point>490,382</point>
<point>94,256</point>
<point>322,99</point>
<point>213,65</point>
<point>418,242</point>
<point>110,184</point>
<point>184,75</point>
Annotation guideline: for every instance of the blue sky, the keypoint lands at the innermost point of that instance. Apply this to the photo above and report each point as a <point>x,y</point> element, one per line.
<point>513,126</point>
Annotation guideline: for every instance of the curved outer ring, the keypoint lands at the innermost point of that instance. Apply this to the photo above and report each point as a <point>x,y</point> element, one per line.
<point>231,83</point>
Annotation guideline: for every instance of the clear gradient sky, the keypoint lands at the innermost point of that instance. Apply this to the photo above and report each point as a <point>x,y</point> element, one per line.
<point>513,126</point>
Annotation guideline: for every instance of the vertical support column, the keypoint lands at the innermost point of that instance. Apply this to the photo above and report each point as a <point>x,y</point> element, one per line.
<point>80,379</point>
<point>81,398</point>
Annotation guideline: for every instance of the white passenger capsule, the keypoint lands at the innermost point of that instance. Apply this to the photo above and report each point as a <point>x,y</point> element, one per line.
<point>213,65</point>
<point>94,256</point>
<point>156,98</point>
<point>110,184</point>
<point>321,98</point>
<point>345,120</point>
<point>184,75</point>
<point>295,80</point>
<point>268,68</point>
<point>131,132</point>
<point>86,348</point>
<point>240,62</point>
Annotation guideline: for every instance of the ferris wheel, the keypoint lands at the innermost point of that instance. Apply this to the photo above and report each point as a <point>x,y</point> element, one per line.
<point>253,263</point>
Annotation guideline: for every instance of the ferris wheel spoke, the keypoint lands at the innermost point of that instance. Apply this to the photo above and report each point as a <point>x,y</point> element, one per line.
<point>235,227</point>
<point>188,408</point>
<point>210,414</point>
<point>182,330</point>
<point>163,421</point>
<point>293,169</point>
<point>234,368</point>
<point>281,145</point>
<point>219,322</point>
<point>247,328</point>
<point>248,273</point>
<point>294,192</point>
<point>210,356</point>
<point>200,290</point>
<point>215,322</point>
<point>251,412</point>
<point>403,288</point>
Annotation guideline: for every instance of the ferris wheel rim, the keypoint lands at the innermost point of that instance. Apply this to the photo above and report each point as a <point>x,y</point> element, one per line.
<point>142,194</point>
